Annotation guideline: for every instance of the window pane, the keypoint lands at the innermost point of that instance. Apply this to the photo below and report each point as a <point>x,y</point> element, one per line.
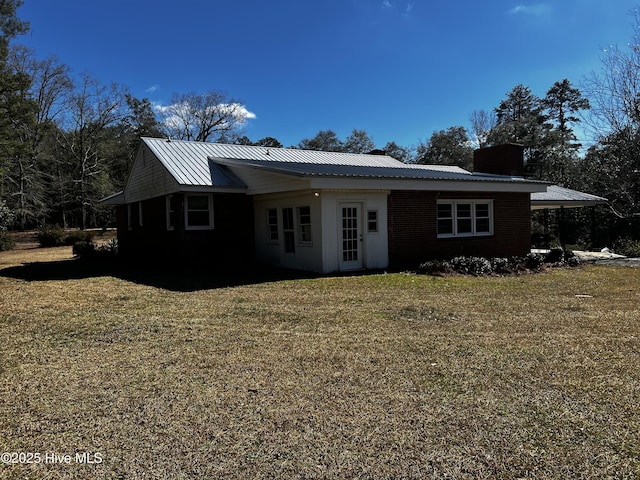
<point>464,210</point>
<point>445,227</point>
<point>171,214</point>
<point>464,225</point>
<point>198,219</point>
<point>199,202</point>
<point>287,218</point>
<point>198,211</point>
<point>305,214</point>
<point>372,221</point>
<point>482,225</point>
<point>305,233</point>
<point>482,210</point>
<point>445,210</point>
<point>272,224</point>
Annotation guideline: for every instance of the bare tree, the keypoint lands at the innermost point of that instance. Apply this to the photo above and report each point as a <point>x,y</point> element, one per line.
<point>92,109</point>
<point>46,81</point>
<point>203,117</point>
<point>612,166</point>
<point>614,92</point>
<point>482,122</point>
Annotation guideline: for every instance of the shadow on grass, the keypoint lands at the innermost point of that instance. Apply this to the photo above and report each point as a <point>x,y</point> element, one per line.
<point>178,278</point>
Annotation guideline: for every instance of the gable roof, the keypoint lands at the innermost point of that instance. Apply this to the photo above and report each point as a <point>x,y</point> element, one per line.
<point>204,164</point>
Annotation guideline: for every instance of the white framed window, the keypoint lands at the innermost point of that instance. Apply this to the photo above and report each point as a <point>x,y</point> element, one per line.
<point>464,218</point>
<point>372,221</point>
<point>198,211</point>
<point>272,225</point>
<point>304,225</point>
<point>171,209</point>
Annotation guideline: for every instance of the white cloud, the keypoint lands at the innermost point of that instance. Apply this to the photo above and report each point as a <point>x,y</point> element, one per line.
<point>387,4</point>
<point>409,8</point>
<point>536,10</point>
<point>153,88</point>
<point>181,116</point>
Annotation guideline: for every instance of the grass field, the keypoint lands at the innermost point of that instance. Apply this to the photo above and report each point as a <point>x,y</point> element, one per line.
<point>174,375</point>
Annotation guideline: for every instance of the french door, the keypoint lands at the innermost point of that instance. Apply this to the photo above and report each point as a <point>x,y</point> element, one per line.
<point>350,236</point>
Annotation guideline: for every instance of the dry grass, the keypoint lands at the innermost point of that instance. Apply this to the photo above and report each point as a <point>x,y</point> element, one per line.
<point>376,376</point>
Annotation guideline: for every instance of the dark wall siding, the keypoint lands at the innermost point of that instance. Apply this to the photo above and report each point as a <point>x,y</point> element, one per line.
<point>230,241</point>
<point>413,236</point>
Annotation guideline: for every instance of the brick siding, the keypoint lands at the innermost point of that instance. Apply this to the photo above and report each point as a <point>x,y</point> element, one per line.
<point>413,235</point>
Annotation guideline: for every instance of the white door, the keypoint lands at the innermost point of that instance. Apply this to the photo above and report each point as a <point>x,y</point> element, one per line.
<point>350,236</point>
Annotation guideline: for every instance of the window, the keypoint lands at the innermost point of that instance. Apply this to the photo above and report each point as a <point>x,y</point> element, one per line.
<point>464,218</point>
<point>372,221</point>
<point>198,212</point>
<point>140,213</point>
<point>304,225</point>
<point>171,212</point>
<point>288,230</point>
<point>272,225</point>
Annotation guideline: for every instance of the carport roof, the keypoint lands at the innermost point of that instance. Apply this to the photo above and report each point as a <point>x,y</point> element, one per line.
<point>560,197</point>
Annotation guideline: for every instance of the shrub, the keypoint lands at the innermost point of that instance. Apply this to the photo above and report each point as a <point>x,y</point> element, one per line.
<point>555,255</point>
<point>109,248</point>
<point>627,247</point>
<point>502,266</point>
<point>75,236</point>
<point>6,241</point>
<point>6,218</point>
<point>472,265</point>
<point>435,267</point>
<point>89,250</point>
<point>83,249</point>
<point>570,259</point>
<point>51,236</point>
<point>533,261</point>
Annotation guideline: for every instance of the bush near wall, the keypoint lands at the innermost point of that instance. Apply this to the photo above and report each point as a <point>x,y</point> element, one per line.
<point>480,266</point>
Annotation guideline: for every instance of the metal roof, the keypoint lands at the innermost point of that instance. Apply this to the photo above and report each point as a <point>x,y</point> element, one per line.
<point>401,171</point>
<point>557,197</point>
<point>201,163</point>
<point>188,163</point>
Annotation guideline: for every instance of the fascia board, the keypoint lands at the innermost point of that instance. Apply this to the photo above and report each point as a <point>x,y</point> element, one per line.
<point>427,185</point>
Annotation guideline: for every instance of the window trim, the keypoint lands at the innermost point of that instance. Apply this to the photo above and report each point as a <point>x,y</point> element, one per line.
<point>374,221</point>
<point>273,229</point>
<point>300,227</point>
<point>169,212</point>
<point>454,218</point>
<point>209,211</point>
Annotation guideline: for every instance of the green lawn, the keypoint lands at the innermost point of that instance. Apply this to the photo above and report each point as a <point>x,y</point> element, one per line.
<point>179,375</point>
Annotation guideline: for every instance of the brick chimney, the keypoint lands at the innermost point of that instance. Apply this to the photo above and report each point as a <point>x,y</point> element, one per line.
<point>507,159</point>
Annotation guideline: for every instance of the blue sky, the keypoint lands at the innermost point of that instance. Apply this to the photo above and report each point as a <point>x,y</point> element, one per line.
<point>398,69</point>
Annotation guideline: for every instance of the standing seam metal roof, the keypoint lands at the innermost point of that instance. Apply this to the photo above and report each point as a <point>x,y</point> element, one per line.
<point>201,163</point>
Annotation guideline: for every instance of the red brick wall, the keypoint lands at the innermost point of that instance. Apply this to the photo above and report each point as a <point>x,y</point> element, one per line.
<point>413,236</point>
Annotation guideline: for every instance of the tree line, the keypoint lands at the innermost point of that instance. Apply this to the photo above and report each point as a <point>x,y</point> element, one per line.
<point>68,141</point>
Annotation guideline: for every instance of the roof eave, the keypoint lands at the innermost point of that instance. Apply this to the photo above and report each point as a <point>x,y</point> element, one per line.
<point>114,199</point>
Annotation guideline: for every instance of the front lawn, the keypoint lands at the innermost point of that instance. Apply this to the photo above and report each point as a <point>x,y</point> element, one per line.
<point>372,376</point>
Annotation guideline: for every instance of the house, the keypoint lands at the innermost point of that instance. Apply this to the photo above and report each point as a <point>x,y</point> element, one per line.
<point>319,211</point>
